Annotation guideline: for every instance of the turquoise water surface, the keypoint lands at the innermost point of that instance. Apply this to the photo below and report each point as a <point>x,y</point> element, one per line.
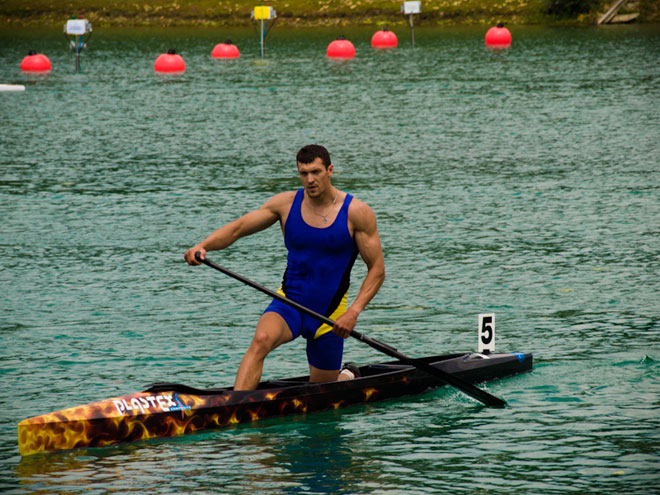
<point>522,182</point>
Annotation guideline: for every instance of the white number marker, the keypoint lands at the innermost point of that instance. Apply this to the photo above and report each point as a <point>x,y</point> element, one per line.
<point>486,333</point>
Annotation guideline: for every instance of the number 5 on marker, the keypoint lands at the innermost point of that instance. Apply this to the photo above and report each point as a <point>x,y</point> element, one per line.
<point>486,333</point>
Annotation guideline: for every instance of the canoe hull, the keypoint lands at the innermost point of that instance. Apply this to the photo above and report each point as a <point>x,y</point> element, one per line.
<point>168,410</point>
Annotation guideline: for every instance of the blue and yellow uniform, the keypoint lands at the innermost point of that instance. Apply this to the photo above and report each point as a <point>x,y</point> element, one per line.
<point>317,275</point>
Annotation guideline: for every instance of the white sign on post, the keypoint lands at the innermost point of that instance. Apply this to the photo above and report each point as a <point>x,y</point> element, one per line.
<point>412,7</point>
<point>77,27</point>
<point>486,333</point>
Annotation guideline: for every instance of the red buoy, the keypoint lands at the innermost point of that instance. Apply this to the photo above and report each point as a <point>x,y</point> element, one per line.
<point>225,50</point>
<point>384,39</point>
<point>498,37</point>
<point>36,62</point>
<point>341,48</point>
<point>170,62</point>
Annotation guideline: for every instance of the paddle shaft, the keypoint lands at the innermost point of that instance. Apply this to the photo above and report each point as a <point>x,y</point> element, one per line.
<point>462,385</point>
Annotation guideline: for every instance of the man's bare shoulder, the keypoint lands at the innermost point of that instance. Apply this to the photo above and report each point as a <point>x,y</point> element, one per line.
<point>359,207</point>
<point>360,214</point>
<point>281,202</point>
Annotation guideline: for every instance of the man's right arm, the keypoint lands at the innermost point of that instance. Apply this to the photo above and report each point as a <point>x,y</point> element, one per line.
<point>254,221</point>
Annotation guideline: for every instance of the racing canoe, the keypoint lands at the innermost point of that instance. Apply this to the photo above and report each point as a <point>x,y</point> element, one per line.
<point>170,409</point>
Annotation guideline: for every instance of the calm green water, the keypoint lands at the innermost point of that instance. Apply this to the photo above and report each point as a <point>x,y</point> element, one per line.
<point>524,183</point>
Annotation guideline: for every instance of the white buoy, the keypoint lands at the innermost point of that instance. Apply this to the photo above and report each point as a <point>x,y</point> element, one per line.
<point>12,87</point>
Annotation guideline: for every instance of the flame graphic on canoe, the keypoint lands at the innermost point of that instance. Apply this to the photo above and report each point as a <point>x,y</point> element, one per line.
<point>168,410</point>
<point>100,424</point>
<point>111,421</point>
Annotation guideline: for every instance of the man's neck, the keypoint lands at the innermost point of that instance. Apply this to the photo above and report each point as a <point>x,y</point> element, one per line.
<point>326,198</point>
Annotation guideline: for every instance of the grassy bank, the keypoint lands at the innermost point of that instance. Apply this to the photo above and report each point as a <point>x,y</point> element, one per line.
<point>309,13</point>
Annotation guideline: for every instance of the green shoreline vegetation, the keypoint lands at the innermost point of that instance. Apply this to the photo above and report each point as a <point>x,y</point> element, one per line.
<point>118,13</point>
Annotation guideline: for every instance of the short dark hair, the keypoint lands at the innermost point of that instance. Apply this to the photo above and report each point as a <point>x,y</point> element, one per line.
<point>311,152</point>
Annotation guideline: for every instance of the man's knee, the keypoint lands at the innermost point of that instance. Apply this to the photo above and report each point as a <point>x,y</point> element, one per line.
<point>270,333</point>
<point>262,341</point>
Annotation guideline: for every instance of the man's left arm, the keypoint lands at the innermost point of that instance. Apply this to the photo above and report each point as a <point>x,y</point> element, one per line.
<point>365,232</point>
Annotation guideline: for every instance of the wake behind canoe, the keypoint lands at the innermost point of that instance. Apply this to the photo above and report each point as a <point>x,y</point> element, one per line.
<point>168,409</point>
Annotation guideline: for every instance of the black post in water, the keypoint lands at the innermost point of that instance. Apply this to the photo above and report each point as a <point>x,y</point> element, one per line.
<point>410,9</point>
<point>77,29</point>
<point>412,30</point>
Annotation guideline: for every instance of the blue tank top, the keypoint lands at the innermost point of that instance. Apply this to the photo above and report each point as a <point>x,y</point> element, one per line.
<point>320,260</point>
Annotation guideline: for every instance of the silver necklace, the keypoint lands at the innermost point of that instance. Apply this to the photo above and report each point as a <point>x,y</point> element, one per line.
<point>324,217</point>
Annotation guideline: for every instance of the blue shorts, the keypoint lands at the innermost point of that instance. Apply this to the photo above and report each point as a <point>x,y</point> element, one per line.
<point>324,352</point>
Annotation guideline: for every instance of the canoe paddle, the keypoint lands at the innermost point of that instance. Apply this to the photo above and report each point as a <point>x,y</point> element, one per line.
<point>460,384</point>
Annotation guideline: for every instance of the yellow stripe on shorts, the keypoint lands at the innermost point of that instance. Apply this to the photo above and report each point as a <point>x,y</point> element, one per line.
<point>341,309</point>
<point>325,328</point>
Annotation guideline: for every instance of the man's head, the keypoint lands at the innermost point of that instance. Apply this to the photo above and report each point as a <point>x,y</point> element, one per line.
<point>311,152</point>
<point>315,170</point>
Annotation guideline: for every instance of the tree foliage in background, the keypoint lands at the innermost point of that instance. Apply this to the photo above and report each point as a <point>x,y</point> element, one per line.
<point>569,8</point>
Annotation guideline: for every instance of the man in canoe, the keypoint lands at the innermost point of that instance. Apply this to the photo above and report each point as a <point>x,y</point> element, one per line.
<point>324,231</point>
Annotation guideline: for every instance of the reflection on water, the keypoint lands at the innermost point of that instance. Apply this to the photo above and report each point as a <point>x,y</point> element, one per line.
<point>318,457</point>
<point>299,455</point>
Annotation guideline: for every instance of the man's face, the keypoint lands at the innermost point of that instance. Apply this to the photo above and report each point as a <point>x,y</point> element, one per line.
<point>315,177</point>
